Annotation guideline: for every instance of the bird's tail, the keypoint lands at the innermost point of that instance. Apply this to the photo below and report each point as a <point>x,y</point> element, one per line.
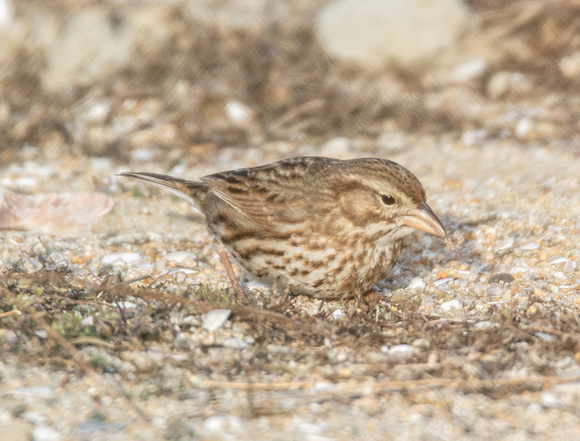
<point>186,190</point>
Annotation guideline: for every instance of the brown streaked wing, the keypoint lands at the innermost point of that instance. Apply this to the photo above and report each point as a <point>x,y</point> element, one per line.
<point>266,194</point>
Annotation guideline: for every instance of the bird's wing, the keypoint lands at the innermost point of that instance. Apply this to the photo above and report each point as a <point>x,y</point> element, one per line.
<point>273,193</point>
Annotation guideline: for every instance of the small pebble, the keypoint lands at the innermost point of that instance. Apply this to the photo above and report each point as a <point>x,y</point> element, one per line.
<point>322,386</point>
<point>545,336</point>
<point>41,333</point>
<point>184,271</point>
<point>236,343</point>
<point>503,83</point>
<point>256,286</point>
<point>452,241</point>
<point>142,155</point>
<point>33,417</point>
<point>45,433</point>
<point>91,426</point>
<point>179,256</point>
<point>122,257</point>
<point>190,320</point>
<point>549,400</point>
<point>219,423</point>
<point>214,424</point>
<point>532,129</point>
<point>450,305</point>
<point>239,114</point>
<point>10,336</point>
<point>88,321</point>
<point>99,112</point>
<point>417,284</point>
<point>570,65</point>
<point>338,314</point>
<point>401,353</point>
<point>484,324</point>
<point>421,343</point>
<point>501,277</point>
<point>36,392</point>
<point>470,70</point>
<point>128,305</point>
<point>530,246</point>
<point>377,357</point>
<point>311,431</point>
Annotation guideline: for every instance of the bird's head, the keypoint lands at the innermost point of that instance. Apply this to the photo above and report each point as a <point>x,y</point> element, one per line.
<point>383,195</point>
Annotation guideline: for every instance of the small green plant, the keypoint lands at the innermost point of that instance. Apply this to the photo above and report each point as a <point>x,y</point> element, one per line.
<point>136,192</point>
<point>98,361</point>
<point>68,325</point>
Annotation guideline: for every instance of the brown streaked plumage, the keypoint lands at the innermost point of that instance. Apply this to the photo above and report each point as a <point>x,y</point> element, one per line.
<point>324,227</point>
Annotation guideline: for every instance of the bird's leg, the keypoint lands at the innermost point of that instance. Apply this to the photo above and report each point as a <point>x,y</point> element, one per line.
<point>358,300</point>
<point>353,311</point>
<point>241,293</point>
<point>321,307</point>
<point>321,313</point>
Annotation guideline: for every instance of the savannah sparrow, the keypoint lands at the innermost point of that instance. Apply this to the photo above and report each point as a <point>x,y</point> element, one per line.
<point>323,227</point>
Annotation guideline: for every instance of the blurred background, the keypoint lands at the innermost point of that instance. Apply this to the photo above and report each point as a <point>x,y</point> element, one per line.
<point>91,87</point>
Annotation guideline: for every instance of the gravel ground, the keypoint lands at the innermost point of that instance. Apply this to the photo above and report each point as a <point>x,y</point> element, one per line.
<point>133,331</point>
<point>470,343</point>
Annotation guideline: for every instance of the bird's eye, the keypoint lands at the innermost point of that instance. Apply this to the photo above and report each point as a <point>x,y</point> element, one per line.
<point>388,199</point>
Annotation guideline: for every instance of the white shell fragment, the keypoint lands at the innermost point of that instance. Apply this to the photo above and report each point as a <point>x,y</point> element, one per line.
<point>530,246</point>
<point>214,319</point>
<point>121,257</point>
<point>441,282</point>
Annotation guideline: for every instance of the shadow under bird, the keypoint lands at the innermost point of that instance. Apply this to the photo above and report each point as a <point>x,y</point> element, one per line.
<point>324,227</point>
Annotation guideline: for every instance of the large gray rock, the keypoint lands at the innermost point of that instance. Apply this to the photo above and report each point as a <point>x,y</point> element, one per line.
<point>88,45</point>
<point>375,32</point>
<point>94,42</point>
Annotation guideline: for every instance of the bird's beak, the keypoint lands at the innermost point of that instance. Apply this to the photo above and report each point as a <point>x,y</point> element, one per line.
<point>425,220</point>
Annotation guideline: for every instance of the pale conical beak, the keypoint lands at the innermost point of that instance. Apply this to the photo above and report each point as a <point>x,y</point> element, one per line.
<point>425,220</point>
